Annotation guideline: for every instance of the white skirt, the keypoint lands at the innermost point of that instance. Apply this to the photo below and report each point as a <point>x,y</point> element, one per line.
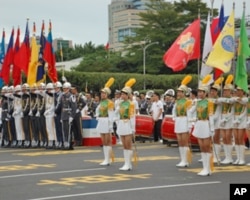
<point>102,125</point>
<point>225,125</point>
<point>201,129</point>
<point>181,125</point>
<point>124,127</point>
<point>242,124</point>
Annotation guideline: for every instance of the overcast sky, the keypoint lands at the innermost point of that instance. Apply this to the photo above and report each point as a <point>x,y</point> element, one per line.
<point>78,20</point>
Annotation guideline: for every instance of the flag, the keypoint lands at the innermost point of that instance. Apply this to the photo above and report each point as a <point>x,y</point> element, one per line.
<point>32,69</point>
<point>220,25</point>
<point>207,47</point>
<point>49,56</point>
<point>8,60</point>
<point>107,46</point>
<point>243,53</point>
<point>223,50</point>
<point>2,54</point>
<point>22,57</point>
<point>16,71</point>
<point>40,74</point>
<point>186,47</point>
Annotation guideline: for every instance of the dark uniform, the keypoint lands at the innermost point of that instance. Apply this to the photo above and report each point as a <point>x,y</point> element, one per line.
<point>58,111</point>
<point>40,119</point>
<point>33,122</point>
<point>26,117</point>
<point>5,122</point>
<point>68,111</point>
<point>77,122</point>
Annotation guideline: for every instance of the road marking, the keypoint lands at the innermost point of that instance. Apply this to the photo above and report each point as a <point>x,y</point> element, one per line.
<point>54,172</point>
<point>144,158</point>
<point>94,179</point>
<point>232,168</point>
<point>10,161</point>
<point>25,167</point>
<point>127,190</point>
<point>50,153</point>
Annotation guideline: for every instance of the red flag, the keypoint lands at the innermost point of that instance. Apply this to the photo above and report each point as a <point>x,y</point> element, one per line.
<point>49,56</point>
<point>186,47</point>
<point>8,60</point>
<point>22,57</point>
<point>107,46</point>
<point>16,71</point>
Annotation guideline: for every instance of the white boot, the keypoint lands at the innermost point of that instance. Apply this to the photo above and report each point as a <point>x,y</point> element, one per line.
<point>203,158</point>
<point>242,155</point>
<point>127,158</point>
<point>228,155</point>
<point>208,164</point>
<point>216,153</point>
<point>106,156</point>
<point>237,149</point>
<point>182,154</point>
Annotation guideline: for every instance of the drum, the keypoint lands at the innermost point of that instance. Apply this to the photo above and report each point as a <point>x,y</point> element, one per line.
<point>90,136</point>
<point>168,134</point>
<point>167,129</point>
<point>144,125</point>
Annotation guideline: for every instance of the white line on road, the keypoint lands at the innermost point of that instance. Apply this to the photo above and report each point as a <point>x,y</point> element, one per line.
<point>126,190</point>
<point>54,172</point>
<point>10,161</point>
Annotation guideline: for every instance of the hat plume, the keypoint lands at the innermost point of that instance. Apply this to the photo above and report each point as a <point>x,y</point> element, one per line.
<point>109,82</point>
<point>130,82</point>
<point>186,80</point>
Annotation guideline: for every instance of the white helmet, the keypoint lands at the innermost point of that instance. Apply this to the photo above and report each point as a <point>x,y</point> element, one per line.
<point>11,88</point>
<point>136,93</point>
<point>42,86</point>
<point>4,89</point>
<point>25,86</point>
<point>49,86</point>
<point>67,85</point>
<point>18,88</point>
<point>58,84</point>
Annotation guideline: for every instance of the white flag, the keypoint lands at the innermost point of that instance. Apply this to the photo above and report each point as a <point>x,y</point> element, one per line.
<point>205,70</point>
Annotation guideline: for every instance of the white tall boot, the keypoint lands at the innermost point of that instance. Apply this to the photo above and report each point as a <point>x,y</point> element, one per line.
<point>182,152</point>
<point>203,158</point>
<point>208,164</point>
<point>106,156</point>
<point>127,158</point>
<point>237,149</point>
<point>242,155</point>
<point>216,153</point>
<point>228,155</point>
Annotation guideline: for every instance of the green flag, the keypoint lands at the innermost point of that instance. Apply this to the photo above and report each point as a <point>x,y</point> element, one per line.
<point>243,53</point>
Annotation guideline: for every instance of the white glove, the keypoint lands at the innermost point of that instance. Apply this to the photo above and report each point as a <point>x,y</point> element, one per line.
<point>45,113</point>
<point>70,119</point>
<point>77,110</point>
<point>14,114</point>
<point>37,114</point>
<point>30,113</point>
<point>21,114</point>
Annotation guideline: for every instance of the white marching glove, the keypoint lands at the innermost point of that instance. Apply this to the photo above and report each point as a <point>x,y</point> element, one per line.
<point>30,113</point>
<point>37,114</point>
<point>70,119</point>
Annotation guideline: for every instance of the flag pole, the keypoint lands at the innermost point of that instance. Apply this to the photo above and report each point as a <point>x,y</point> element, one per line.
<point>233,60</point>
<point>61,55</point>
<point>198,60</point>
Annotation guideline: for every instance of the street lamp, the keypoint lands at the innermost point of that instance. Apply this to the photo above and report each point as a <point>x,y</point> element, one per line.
<point>144,62</point>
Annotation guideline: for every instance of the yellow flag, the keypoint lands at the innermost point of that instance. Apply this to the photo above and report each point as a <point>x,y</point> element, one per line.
<point>224,48</point>
<point>32,71</point>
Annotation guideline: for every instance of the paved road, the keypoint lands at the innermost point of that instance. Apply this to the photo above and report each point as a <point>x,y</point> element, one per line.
<point>40,174</point>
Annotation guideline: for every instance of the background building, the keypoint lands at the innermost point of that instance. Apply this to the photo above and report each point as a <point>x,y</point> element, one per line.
<point>123,19</point>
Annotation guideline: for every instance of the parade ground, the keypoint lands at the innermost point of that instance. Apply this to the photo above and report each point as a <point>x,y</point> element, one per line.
<point>40,174</point>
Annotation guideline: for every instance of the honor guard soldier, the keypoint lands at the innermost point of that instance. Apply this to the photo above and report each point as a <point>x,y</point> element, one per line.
<point>125,115</point>
<point>26,110</point>
<point>105,118</point>
<point>90,104</point>
<point>35,133</point>
<point>58,111</point>
<point>77,121</point>
<point>204,126</point>
<point>6,136</point>
<point>40,113</point>
<point>18,115</point>
<point>49,115</point>
<point>182,124</point>
<point>68,105</point>
<point>11,119</point>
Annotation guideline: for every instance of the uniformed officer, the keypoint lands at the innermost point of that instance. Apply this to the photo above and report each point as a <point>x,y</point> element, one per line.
<point>105,118</point>
<point>58,110</point>
<point>18,114</point>
<point>49,115</point>
<point>77,121</point>
<point>26,110</point>
<point>68,108</point>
